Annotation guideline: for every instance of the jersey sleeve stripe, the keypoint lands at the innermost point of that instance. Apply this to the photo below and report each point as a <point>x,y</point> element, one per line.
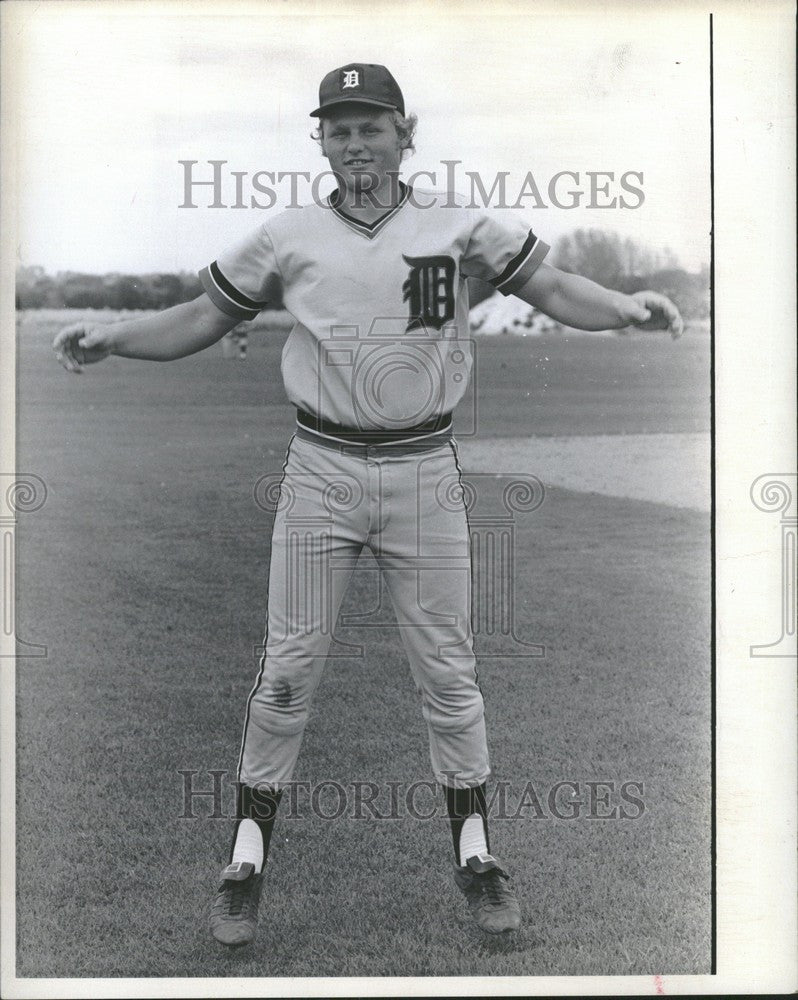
<point>226,296</point>
<point>522,266</point>
<point>526,270</point>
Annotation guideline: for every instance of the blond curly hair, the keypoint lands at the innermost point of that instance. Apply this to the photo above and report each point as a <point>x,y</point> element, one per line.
<point>405,126</point>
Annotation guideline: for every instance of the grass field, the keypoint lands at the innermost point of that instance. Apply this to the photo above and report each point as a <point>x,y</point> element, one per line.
<point>145,576</point>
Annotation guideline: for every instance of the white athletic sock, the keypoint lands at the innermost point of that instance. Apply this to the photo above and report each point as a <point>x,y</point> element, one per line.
<point>249,844</point>
<point>472,838</point>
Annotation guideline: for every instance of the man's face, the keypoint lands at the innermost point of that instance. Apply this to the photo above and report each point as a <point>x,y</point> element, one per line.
<point>359,142</point>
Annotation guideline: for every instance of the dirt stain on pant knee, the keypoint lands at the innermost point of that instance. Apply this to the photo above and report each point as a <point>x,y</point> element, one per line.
<point>283,695</point>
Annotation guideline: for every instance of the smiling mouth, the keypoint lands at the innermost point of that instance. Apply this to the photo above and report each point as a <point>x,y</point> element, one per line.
<point>357,163</point>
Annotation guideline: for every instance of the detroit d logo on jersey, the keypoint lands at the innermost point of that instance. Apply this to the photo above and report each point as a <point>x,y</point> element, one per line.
<point>429,289</point>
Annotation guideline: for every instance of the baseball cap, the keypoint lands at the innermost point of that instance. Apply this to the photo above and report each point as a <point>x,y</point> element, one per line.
<point>359,83</point>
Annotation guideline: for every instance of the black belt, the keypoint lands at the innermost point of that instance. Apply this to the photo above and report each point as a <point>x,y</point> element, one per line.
<point>438,427</point>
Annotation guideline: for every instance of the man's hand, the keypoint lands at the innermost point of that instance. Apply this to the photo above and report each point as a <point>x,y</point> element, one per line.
<point>80,344</point>
<point>576,301</point>
<point>165,336</point>
<point>656,312</point>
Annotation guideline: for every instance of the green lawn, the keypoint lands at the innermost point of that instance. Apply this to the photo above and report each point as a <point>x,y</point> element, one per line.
<point>145,576</point>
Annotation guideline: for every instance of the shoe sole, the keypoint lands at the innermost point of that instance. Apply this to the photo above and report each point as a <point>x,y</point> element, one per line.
<point>231,937</point>
<point>497,932</point>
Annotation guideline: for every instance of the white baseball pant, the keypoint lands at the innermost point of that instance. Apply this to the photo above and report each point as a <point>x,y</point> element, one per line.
<point>405,503</point>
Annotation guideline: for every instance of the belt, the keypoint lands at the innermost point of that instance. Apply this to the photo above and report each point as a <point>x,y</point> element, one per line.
<point>433,432</point>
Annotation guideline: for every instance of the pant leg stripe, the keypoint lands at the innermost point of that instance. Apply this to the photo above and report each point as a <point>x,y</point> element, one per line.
<point>262,665</point>
<point>453,446</point>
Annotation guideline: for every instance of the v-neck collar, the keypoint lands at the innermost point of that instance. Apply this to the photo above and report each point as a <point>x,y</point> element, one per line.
<point>369,229</point>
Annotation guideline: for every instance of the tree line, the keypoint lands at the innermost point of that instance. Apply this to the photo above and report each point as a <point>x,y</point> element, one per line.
<point>75,290</point>
<point>625,266</point>
<point>621,264</point>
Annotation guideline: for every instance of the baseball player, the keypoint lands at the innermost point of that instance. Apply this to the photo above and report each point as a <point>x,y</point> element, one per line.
<point>239,342</point>
<point>378,359</point>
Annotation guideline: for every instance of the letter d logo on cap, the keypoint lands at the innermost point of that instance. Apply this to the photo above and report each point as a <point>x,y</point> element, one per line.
<point>350,79</point>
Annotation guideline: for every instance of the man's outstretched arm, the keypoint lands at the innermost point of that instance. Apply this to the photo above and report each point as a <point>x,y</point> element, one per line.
<point>576,301</point>
<point>174,333</point>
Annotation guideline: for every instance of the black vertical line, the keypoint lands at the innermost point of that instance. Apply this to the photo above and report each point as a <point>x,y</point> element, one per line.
<point>713,514</point>
<point>262,664</point>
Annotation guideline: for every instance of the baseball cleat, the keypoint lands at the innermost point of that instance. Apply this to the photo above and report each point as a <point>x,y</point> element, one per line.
<point>234,914</point>
<point>490,898</point>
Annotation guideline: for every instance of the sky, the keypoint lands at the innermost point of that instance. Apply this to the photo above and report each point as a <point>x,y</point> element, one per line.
<point>112,96</point>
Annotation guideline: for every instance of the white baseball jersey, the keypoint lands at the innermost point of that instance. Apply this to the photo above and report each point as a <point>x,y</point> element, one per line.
<point>381,337</point>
